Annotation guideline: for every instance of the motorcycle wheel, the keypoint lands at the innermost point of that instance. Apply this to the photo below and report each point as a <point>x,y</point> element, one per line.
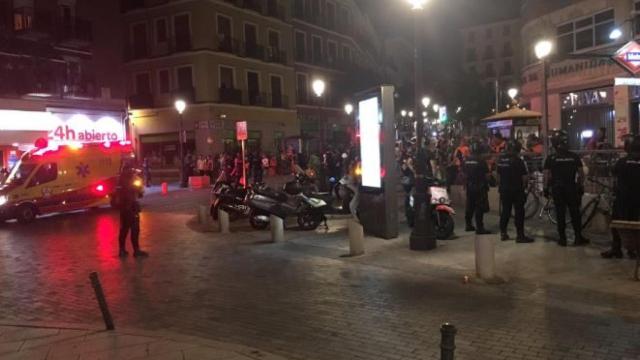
<point>255,222</point>
<point>443,225</point>
<point>309,220</point>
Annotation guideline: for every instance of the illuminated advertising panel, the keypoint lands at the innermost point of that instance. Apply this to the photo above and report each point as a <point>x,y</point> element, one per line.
<point>370,119</point>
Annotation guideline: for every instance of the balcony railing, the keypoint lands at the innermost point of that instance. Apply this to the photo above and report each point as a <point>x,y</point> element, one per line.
<point>279,101</point>
<point>275,55</point>
<point>186,94</point>
<point>254,51</point>
<point>230,96</point>
<point>268,8</point>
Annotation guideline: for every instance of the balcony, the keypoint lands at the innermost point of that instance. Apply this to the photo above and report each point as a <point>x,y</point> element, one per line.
<point>254,51</point>
<point>230,96</point>
<point>275,55</point>
<point>228,44</point>
<point>36,26</point>
<point>128,5</point>
<point>256,98</point>
<point>76,32</point>
<point>141,101</point>
<point>186,94</point>
<point>279,101</point>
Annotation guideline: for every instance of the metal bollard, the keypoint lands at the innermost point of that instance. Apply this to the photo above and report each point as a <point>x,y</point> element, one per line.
<point>277,228</point>
<point>356,238</point>
<point>223,220</point>
<point>448,342</point>
<point>102,301</point>
<point>485,256</point>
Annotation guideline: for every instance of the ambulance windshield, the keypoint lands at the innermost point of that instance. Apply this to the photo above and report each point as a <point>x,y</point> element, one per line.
<point>19,173</point>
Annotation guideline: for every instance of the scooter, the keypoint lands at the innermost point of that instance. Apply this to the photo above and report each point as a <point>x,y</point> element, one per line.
<point>441,211</point>
<point>290,202</point>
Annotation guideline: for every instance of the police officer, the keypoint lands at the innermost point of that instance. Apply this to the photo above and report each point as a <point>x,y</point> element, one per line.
<point>477,173</point>
<point>564,178</point>
<point>129,213</point>
<point>627,202</point>
<point>512,175</point>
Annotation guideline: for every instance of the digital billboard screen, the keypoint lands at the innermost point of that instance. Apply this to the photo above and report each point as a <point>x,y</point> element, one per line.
<point>370,120</point>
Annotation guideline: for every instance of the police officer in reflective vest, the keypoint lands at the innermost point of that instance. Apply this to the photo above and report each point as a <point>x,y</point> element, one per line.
<point>512,176</point>
<point>564,177</point>
<point>627,203</point>
<point>129,212</point>
<point>477,173</point>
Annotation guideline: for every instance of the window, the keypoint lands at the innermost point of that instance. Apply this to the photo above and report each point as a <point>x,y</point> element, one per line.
<point>507,70</point>
<point>164,84</point>
<point>331,15</point>
<point>253,87</point>
<point>298,10</point>
<point>22,18</point>
<point>315,8</point>
<point>276,91</point>
<point>585,33</point>
<point>274,40</point>
<point>471,54</point>
<point>302,88</point>
<point>488,33</point>
<point>471,36</point>
<point>316,43</point>
<point>143,84</point>
<point>301,46</point>
<point>139,40</point>
<point>488,52</point>
<point>223,27</point>
<point>332,51</point>
<point>346,53</point>
<point>507,50</point>
<point>506,30</point>
<point>226,78</point>
<point>182,32</point>
<point>489,70</point>
<point>161,30</point>
<point>46,173</point>
<point>185,78</point>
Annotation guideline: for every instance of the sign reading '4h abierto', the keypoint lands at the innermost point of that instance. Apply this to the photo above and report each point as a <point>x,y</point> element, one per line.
<point>629,57</point>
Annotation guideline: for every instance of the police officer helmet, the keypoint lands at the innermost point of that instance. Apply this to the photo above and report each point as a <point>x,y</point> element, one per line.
<point>514,147</point>
<point>560,139</point>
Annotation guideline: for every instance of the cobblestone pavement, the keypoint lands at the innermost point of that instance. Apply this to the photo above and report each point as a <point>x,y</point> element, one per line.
<point>304,300</point>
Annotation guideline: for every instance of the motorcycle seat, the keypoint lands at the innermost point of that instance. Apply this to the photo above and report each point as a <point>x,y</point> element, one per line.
<point>277,195</point>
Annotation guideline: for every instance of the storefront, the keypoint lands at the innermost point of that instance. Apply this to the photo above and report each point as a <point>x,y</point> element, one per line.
<point>514,124</point>
<point>586,111</point>
<point>19,128</point>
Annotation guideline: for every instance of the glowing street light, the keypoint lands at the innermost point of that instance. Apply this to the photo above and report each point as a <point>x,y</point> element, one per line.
<point>543,49</point>
<point>615,34</point>
<point>403,113</point>
<point>436,107</point>
<point>348,108</point>
<point>513,92</point>
<point>426,101</point>
<point>181,106</point>
<point>318,87</point>
<point>410,113</point>
<point>417,4</point>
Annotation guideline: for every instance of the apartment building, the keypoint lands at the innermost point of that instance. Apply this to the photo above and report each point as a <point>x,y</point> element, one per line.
<point>492,51</point>
<point>587,88</point>
<point>333,42</point>
<point>54,81</point>
<point>229,60</point>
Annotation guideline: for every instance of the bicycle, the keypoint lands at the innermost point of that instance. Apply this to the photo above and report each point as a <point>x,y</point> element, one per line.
<point>603,197</point>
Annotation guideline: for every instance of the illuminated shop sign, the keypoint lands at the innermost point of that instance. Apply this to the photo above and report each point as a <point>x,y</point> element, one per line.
<point>629,57</point>
<point>66,127</point>
<point>370,120</point>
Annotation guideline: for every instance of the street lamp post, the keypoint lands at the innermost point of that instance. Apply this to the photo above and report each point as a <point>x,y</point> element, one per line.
<point>417,6</point>
<point>319,86</point>
<point>181,106</point>
<point>543,49</point>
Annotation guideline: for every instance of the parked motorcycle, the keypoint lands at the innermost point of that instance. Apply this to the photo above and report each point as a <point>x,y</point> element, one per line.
<point>441,211</point>
<point>290,202</point>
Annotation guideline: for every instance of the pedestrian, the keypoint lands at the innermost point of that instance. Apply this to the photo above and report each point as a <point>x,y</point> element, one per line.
<point>512,176</point>
<point>146,172</point>
<point>407,181</point>
<point>256,169</point>
<point>564,180</point>
<point>477,186</point>
<point>200,165</point>
<point>209,167</point>
<point>627,198</point>
<point>129,213</point>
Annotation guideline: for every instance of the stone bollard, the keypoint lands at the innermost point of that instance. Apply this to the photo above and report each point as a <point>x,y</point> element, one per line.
<point>485,256</point>
<point>356,238</point>
<point>204,217</point>
<point>277,228</point>
<point>223,221</point>
<point>448,341</point>
<point>165,188</point>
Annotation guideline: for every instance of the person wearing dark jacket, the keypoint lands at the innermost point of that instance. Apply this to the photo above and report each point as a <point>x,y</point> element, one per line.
<point>129,213</point>
<point>477,185</point>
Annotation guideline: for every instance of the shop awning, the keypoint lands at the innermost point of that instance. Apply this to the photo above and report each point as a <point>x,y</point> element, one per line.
<point>514,113</point>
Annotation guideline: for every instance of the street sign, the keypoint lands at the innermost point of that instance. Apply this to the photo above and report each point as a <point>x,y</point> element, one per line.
<point>241,131</point>
<point>629,57</point>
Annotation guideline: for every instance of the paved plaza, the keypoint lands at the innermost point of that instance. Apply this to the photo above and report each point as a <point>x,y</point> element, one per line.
<point>243,297</point>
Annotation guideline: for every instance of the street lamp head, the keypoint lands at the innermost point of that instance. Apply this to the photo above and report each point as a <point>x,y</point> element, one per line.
<point>180,106</point>
<point>426,101</point>
<point>436,107</point>
<point>411,114</point>
<point>417,4</point>
<point>318,87</point>
<point>615,34</point>
<point>403,113</point>
<point>348,108</point>
<point>513,92</point>
<point>543,49</point>
<point>424,114</point>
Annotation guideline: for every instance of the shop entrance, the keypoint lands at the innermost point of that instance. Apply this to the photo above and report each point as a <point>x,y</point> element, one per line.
<point>584,112</point>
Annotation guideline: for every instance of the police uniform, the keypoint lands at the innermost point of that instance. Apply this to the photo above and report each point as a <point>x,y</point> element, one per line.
<point>627,202</point>
<point>129,214</point>
<point>476,171</point>
<point>564,167</point>
<point>511,170</point>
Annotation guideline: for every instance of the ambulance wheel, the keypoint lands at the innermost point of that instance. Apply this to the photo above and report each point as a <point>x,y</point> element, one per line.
<point>26,213</point>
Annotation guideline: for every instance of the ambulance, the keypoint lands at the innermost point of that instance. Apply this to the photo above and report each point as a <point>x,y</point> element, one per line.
<point>59,178</point>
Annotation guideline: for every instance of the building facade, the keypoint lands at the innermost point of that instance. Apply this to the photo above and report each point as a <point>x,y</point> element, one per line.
<point>241,60</point>
<point>583,95</point>
<point>54,81</point>
<point>492,51</point>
